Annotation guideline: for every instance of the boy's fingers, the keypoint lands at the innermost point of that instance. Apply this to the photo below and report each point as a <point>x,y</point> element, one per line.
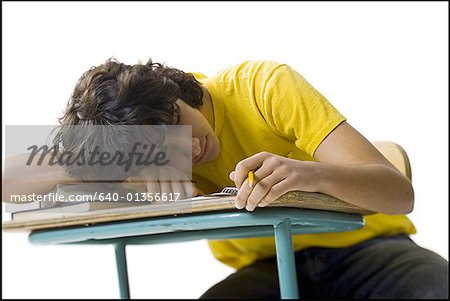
<point>178,188</point>
<point>166,190</point>
<point>261,189</point>
<point>194,190</point>
<point>251,163</point>
<point>241,198</point>
<point>152,188</point>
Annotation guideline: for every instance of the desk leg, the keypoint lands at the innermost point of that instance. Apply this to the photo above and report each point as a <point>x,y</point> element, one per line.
<point>286,262</point>
<point>121,261</point>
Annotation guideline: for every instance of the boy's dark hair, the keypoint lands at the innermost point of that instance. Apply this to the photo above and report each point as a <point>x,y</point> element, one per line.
<point>118,94</point>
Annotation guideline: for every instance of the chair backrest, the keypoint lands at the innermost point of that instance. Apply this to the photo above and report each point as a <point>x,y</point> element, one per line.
<point>396,155</point>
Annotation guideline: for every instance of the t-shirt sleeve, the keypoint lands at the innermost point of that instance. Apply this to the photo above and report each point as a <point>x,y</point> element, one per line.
<point>295,109</point>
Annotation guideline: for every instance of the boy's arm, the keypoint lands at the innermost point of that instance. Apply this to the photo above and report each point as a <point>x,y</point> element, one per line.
<point>355,171</point>
<point>348,167</point>
<point>22,179</point>
<point>39,178</point>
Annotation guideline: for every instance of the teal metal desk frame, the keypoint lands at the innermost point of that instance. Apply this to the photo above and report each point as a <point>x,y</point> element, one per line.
<point>225,224</point>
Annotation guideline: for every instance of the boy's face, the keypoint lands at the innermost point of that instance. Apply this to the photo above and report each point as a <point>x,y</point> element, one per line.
<point>205,144</point>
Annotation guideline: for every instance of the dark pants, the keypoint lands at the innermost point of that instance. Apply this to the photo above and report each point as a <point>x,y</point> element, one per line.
<point>385,267</point>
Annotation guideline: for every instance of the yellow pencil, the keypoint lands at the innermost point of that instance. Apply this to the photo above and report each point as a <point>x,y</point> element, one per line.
<point>251,179</point>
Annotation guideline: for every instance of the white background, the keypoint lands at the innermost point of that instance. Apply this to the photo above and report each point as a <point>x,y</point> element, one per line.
<point>383,65</point>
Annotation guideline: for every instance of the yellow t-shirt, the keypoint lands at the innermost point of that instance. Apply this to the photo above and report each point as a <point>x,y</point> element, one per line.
<point>267,106</point>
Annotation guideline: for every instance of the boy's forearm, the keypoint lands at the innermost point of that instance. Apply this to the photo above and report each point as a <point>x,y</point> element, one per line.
<point>372,186</point>
<point>22,179</point>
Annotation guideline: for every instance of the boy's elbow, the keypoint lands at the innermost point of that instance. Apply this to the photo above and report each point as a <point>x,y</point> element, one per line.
<point>404,203</point>
<point>408,204</point>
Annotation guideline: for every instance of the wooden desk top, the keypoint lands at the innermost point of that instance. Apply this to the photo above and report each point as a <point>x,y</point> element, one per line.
<point>294,199</point>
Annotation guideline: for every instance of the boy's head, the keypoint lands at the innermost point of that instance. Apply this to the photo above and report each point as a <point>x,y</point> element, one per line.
<point>116,93</point>
<point>143,94</point>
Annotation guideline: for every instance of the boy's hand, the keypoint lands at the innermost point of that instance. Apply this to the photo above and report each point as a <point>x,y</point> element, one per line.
<point>167,181</point>
<point>274,175</point>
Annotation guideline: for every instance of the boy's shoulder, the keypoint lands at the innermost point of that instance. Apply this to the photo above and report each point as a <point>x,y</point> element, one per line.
<point>261,68</point>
